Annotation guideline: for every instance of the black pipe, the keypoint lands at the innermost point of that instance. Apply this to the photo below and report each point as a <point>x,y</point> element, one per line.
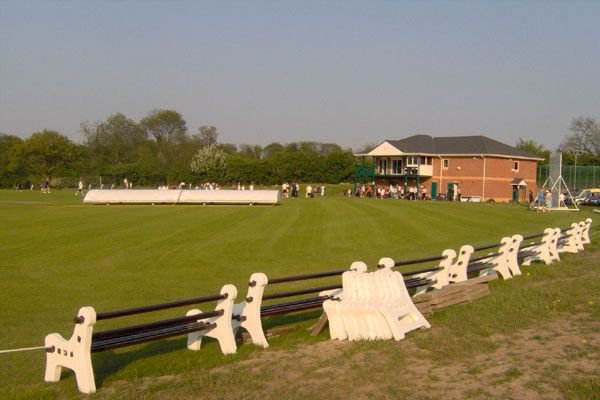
<point>529,245</point>
<point>479,267</point>
<point>489,246</point>
<point>420,271</point>
<point>292,303</point>
<point>293,309</point>
<point>523,254</point>
<point>307,276</point>
<point>417,283</point>
<point>151,336</point>
<point>533,236</point>
<point>419,260</point>
<point>157,307</point>
<point>300,292</point>
<point>485,256</point>
<point>128,330</point>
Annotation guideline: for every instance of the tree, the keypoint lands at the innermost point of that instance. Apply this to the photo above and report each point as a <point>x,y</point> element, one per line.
<point>367,147</point>
<point>113,141</point>
<point>271,149</point>
<point>534,148</point>
<point>174,149</point>
<point>164,126</point>
<point>46,153</point>
<point>250,150</point>
<point>338,166</point>
<point>228,148</point>
<point>584,137</point>
<point>207,135</point>
<point>12,168</point>
<point>327,148</point>
<point>209,163</point>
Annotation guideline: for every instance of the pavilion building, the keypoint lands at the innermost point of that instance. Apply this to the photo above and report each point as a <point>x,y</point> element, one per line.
<point>477,167</point>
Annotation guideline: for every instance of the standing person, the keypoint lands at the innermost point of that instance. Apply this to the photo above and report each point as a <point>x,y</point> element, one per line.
<point>531,199</point>
<point>126,183</point>
<point>548,198</point>
<point>284,190</point>
<point>540,201</point>
<point>458,194</point>
<point>308,191</point>
<point>79,191</point>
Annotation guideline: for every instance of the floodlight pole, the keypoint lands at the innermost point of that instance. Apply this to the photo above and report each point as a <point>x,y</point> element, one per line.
<point>575,180</point>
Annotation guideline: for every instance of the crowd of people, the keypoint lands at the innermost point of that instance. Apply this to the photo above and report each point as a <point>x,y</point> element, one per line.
<point>543,201</point>
<point>391,192</point>
<point>292,190</point>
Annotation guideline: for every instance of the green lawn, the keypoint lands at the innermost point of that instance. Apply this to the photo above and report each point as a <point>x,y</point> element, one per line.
<point>57,255</point>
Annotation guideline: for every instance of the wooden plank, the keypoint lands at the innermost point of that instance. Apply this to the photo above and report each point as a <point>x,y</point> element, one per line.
<point>448,289</point>
<point>478,294</point>
<point>449,303</point>
<point>320,325</point>
<point>422,298</point>
<point>446,296</point>
<point>424,308</point>
<point>478,280</point>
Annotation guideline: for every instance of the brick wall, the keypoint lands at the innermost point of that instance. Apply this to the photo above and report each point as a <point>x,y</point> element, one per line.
<point>468,172</point>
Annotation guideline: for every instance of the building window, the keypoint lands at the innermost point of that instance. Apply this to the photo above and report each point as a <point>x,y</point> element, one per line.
<point>425,160</point>
<point>445,163</point>
<point>396,166</point>
<point>382,167</point>
<point>516,166</point>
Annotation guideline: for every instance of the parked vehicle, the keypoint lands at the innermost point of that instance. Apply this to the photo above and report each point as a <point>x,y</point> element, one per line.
<point>586,193</point>
<point>591,200</point>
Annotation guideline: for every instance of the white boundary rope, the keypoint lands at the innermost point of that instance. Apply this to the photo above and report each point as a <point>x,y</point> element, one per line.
<point>22,349</point>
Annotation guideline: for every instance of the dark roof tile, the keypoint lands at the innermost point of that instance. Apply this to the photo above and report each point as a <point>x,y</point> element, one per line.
<point>456,145</point>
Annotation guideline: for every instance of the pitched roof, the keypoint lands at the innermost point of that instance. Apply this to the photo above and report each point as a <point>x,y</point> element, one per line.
<point>425,144</point>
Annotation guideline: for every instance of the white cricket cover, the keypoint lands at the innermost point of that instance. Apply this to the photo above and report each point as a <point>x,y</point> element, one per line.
<point>158,196</point>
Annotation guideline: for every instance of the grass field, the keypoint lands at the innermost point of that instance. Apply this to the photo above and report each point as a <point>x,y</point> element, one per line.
<point>57,255</point>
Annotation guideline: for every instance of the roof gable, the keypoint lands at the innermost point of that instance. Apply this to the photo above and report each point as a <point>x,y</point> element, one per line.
<point>385,149</point>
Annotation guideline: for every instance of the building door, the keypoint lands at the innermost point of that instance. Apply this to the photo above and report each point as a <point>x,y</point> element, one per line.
<point>433,190</point>
<point>451,191</point>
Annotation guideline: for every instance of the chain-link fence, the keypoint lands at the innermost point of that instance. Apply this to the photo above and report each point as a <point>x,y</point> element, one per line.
<point>576,177</point>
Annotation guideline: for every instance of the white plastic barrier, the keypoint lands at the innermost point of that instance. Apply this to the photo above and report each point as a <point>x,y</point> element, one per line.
<point>570,241</point>
<point>503,262</point>
<point>156,196</point>
<point>511,257</point>
<point>436,279</point>
<point>223,330</point>
<point>373,305</point>
<point>457,272</point>
<point>545,250</point>
<point>75,353</point>
<point>585,233</point>
<point>247,313</point>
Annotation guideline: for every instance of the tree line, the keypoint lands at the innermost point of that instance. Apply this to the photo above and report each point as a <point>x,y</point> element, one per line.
<point>580,146</point>
<point>159,150</point>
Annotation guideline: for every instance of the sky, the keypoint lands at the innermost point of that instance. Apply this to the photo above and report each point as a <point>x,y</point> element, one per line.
<point>347,72</point>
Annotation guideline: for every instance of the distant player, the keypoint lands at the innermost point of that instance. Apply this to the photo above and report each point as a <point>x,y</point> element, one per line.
<point>79,191</point>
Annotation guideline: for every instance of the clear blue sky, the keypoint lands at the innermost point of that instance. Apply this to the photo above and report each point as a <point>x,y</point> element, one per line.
<point>329,71</point>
